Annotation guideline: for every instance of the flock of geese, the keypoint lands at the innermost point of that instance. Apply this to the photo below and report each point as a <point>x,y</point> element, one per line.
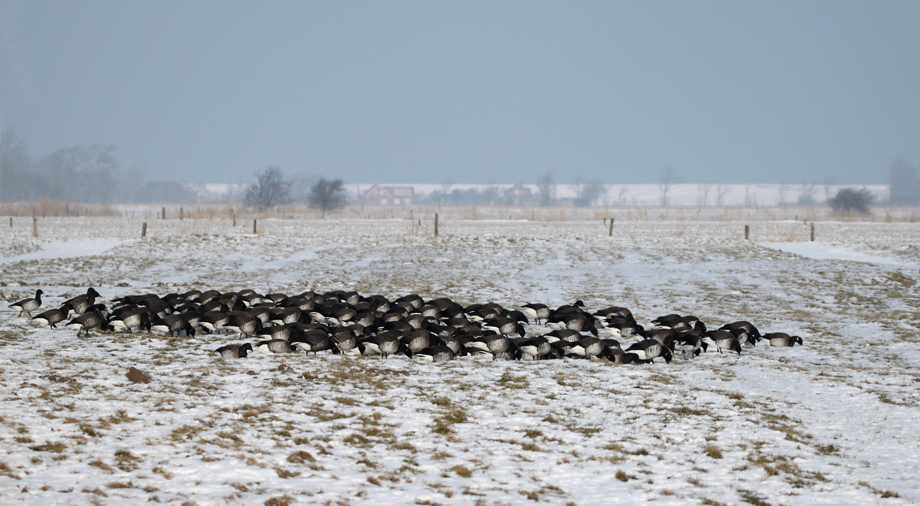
<point>435,330</point>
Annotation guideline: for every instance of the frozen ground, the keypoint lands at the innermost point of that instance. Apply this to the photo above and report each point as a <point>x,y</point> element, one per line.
<point>833,422</point>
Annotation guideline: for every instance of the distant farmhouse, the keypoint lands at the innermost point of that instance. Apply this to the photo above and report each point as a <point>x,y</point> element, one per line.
<point>379,195</point>
<point>518,195</point>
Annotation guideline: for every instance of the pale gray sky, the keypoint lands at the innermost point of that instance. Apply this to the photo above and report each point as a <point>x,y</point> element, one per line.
<point>473,91</point>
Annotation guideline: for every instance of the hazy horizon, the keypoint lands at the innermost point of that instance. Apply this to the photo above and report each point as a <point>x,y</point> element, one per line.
<point>724,92</point>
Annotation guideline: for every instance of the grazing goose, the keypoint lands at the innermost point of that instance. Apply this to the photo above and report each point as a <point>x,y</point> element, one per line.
<point>384,344</point>
<point>244,324</point>
<point>564,335</point>
<point>535,347</point>
<point>84,302</point>
<point>213,321</point>
<point>314,341</point>
<point>276,332</point>
<point>129,321</point>
<point>664,336</point>
<point>276,346</point>
<point>536,312</point>
<point>747,326</point>
<point>87,321</point>
<point>689,343</point>
<point>435,354</point>
<point>53,316</point>
<point>344,341</point>
<point>173,325</point>
<point>617,356</point>
<point>234,350</point>
<point>504,326</point>
<point>782,339</point>
<point>417,339</point>
<point>587,348</point>
<point>28,305</point>
<point>722,340</point>
<point>648,350</point>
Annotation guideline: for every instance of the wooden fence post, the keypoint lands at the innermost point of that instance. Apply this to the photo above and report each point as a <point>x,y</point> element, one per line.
<point>610,232</point>
<point>812,231</point>
<point>435,224</point>
<point>747,231</point>
<point>254,220</point>
<point>181,214</point>
<point>144,230</point>
<point>163,216</point>
<point>34,226</point>
<point>234,217</point>
<point>11,222</point>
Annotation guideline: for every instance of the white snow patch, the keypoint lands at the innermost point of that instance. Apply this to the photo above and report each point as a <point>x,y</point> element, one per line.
<point>822,251</point>
<point>68,249</point>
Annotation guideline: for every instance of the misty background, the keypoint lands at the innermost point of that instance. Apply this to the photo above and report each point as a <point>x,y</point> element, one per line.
<point>122,101</point>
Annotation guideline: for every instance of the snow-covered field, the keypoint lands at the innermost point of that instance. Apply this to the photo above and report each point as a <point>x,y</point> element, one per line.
<point>832,422</point>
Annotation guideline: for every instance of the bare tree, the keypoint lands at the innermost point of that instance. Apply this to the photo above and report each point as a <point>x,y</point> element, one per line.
<point>546,189</point>
<point>783,189</point>
<point>807,196</point>
<point>271,189</point>
<point>327,195</point>
<point>588,193</point>
<point>446,185</point>
<point>702,198</point>
<point>621,197</point>
<point>667,178</point>
<point>721,191</point>
<point>828,184</point>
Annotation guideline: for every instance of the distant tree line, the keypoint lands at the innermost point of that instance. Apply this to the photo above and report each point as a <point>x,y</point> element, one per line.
<point>88,174</point>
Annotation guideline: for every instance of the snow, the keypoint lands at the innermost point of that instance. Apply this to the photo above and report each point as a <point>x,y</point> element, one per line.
<point>67,249</point>
<point>832,422</point>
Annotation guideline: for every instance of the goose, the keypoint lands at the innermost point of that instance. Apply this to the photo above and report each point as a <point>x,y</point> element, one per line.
<point>280,316</point>
<point>648,350</point>
<point>131,320</point>
<point>536,312</point>
<point>384,344</point>
<point>276,332</point>
<point>417,339</point>
<point>563,335</point>
<point>689,343</point>
<point>28,305</point>
<point>344,341</point>
<point>173,325</point>
<point>747,326</point>
<point>314,341</point>
<point>493,345</point>
<point>617,356</point>
<point>82,303</point>
<point>234,350</point>
<point>276,346</point>
<point>213,321</point>
<point>620,327</point>
<point>782,339</point>
<point>435,354</point>
<point>504,326</point>
<point>665,336</point>
<point>52,316</point>
<point>614,312</point>
<point>587,348</point>
<point>244,324</point>
<point>722,340</point>
<point>87,321</point>
<point>535,347</point>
